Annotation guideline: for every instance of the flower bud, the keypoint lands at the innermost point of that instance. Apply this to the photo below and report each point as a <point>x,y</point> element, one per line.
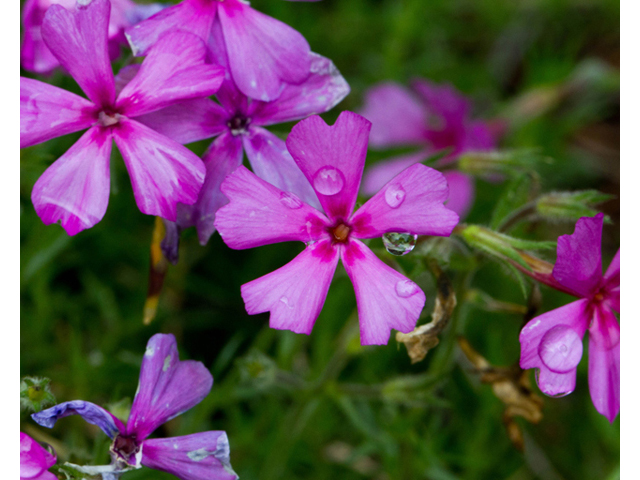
<point>570,206</point>
<point>35,394</point>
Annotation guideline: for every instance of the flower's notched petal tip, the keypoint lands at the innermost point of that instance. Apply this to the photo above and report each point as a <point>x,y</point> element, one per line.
<point>90,412</point>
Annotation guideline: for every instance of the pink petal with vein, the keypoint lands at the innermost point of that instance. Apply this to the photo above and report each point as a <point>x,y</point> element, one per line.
<point>604,363</point>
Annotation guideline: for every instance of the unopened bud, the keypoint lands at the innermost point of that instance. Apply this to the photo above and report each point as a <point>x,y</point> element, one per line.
<point>570,206</point>
<point>35,394</point>
<point>503,162</point>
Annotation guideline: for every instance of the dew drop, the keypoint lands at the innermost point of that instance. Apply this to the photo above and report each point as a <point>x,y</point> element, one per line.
<point>394,195</point>
<point>328,181</point>
<point>399,243</point>
<point>406,288</point>
<point>560,349</point>
<point>290,200</point>
<point>557,395</point>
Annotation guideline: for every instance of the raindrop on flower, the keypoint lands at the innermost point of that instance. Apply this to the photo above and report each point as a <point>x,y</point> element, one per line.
<point>406,288</point>
<point>399,243</point>
<point>557,395</point>
<point>394,195</point>
<point>560,349</point>
<point>290,200</point>
<point>328,181</point>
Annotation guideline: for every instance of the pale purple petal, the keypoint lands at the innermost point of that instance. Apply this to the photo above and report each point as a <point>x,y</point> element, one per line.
<point>332,158</point>
<point>259,214</point>
<point>271,161</point>
<point>163,172</point>
<point>579,261</point>
<point>223,157</point>
<point>167,386</point>
<point>90,412</point>
<point>604,363</point>
<point>461,192</point>
<point>443,101</point>
<point>174,70</point>
<point>201,456</point>
<point>411,202</point>
<point>397,116</point>
<point>264,53</point>
<point>74,190</point>
<point>386,299</point>
<point>378,175</point>
<point>319,93</point>
<point>35,460</point>
<point>78,39</point>
<point>196,16</point>
<point>479,137</point>
<point>295,293</point>
<point>48,112</point>
<point>612,283</point>
<point>188,121</point>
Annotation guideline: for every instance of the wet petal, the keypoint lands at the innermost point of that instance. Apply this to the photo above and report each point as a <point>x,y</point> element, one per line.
<point>295,293</point>
<point>48,112</point>
<point>555,384</point>
<point>332,158</point>
<point>397,116</point>
<point>604,363</point>
<point>461,192</point>
<point>378,175</point>
<point>174,70</point>
<point>74,190</point>
<point>271,161</point>
<point>167,387</point>
<point>579,261</point>
<point>264,53</point>
<point>412,202</point>
<point>90,412</point>
<point>78,39</point>
<point>35,460</point>
<point>162,171</point>
<point>259,214</point>
<point>386,299</point>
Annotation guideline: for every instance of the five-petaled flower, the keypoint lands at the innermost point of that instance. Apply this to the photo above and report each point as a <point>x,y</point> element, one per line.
<point>35,461</point>
<point>552,342</point>
<point>75,189</point>
<point>332,159</point>
<point>167,388</point>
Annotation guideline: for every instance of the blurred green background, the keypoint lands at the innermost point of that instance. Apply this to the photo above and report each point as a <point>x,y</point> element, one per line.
<point>321,406</point>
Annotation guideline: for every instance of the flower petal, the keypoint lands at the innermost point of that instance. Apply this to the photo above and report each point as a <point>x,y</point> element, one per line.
<point>386,299</point>
<point>295,293</point>
<point>167,387</point>
<point>397,116</point>
<point>555,384</point>
<point>612,283</point>
<point>259,214</point>
<point>74,190</point>
<point>201,456</point>
<point>35,460</point>
<point>48,112</point>
<point>332,158</point>
<point>443,101</point>
<point>579,261</point>
<point>78,39</point>
<point>411,202</point>
<point>90,412</point>
<point>188,121</point>
<point>461,192</point>
<point>264,53</point>
<point>162,171</point>
<point>223,157</point>
<point>322,91</point>
<point>271,161</point>
<point>173,71</point>
<point>604,363</point>
<point>479,137</point>
<point>378,175</point>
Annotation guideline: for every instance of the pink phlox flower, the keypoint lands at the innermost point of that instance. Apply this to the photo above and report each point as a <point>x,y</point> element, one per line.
<point>35,55</point>
<point>75,188</point>
<point>552,342</point>
<point>432,117</point>
<point>264,53</point>
<point>168,387</point>
<point>35,461</point>
<point>332,159</point>
<point>238,122</point>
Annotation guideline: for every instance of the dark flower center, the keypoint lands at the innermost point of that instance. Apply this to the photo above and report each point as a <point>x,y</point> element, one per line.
<point>340,232</point>
<point>125,447</point>
<point>238,124</point>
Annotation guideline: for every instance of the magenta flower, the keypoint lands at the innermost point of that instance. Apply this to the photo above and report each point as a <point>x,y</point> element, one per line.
<point>264,53</point>
<point>332,159</point>
<point>75,189</point>
<point>36,56</point>
<point>432,117</point>
<point>167,388</point>
<point>238,123</point>
<point>35,461</point>
<point>552,342</point>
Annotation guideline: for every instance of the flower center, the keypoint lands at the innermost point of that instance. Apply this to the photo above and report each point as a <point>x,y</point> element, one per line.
<point>108,118</point>
<point>125,448</point>
<point>238,124</point>
<point>341,232</point>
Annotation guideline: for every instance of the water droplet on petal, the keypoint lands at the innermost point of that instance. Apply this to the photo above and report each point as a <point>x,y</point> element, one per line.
<point>399,243</point>
<point>286,301</point>
<point>557,395</point>
<point>560,349</point>
<point>328,181</point>
<point>406,288</point>
<point>394,195</point>
<point>290,200</point>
